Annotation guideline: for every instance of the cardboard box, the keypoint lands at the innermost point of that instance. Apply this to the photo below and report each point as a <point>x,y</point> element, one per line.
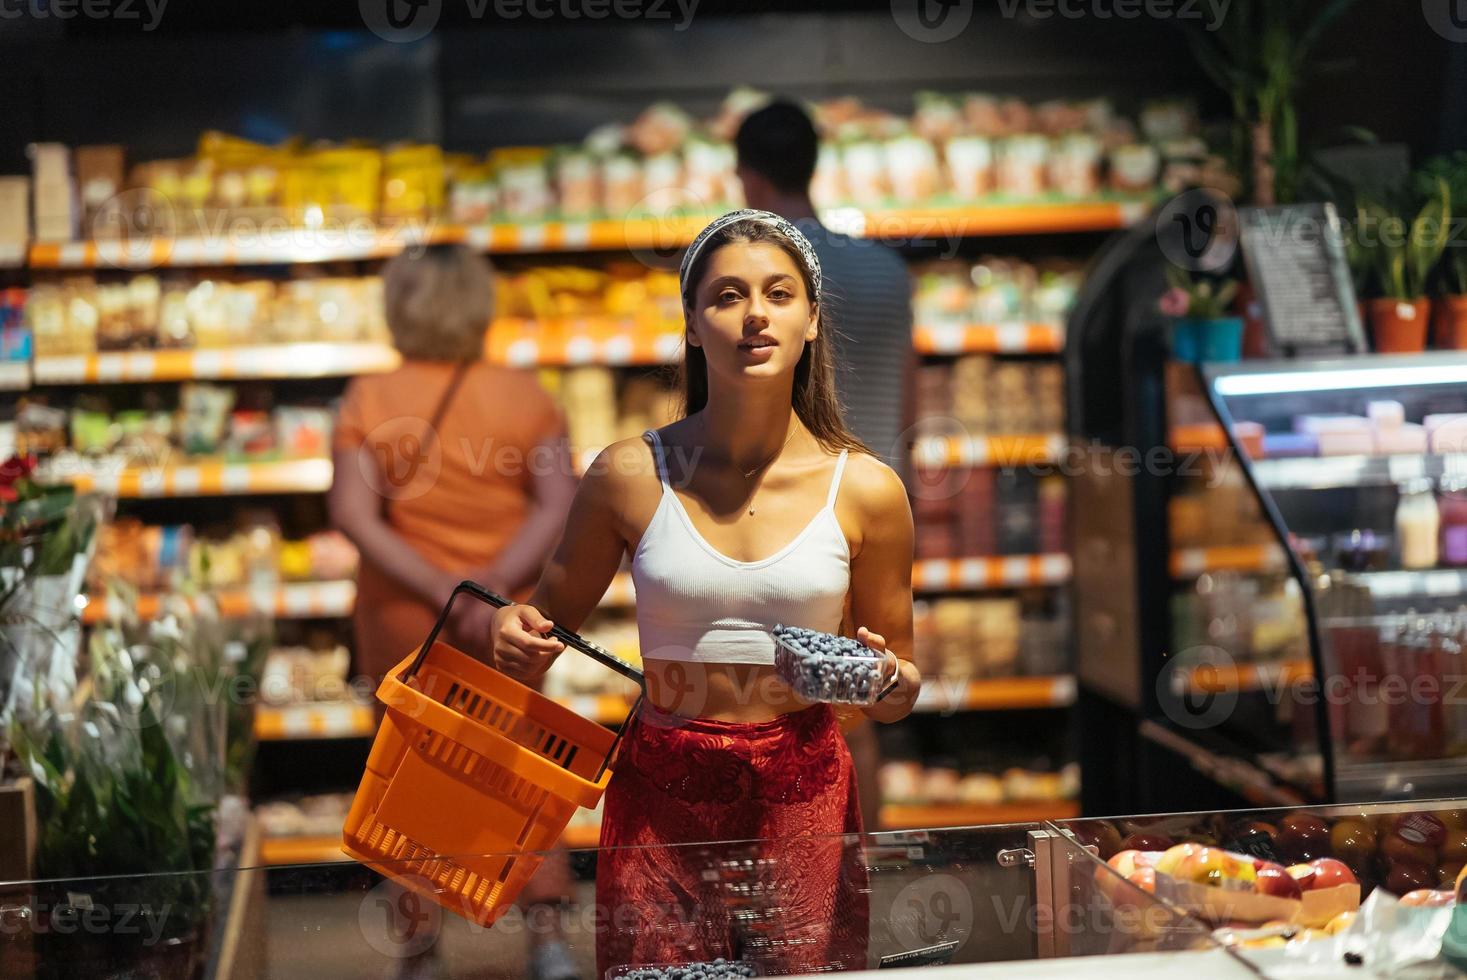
<point>53,206</point>
<point>99,176</point>
<point>49,162</point>
<point>15,210</point>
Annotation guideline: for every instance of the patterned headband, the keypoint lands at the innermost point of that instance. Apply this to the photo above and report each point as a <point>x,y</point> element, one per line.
<point>807,251</point>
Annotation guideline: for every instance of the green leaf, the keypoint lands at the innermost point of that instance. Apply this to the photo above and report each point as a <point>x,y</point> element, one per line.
<point>1428,239</point>
<point>1331,13</point>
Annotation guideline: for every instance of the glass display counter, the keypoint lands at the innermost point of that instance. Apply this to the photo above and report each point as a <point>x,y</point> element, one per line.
<point>1360,466</point>
<point>1050,898</point>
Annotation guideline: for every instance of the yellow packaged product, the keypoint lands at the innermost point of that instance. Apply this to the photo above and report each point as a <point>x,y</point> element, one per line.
<point>413,178</point>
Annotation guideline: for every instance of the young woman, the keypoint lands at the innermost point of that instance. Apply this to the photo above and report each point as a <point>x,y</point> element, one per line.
<point>757,507</point>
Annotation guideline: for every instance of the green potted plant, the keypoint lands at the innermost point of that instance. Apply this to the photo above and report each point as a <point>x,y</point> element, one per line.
<point>1201,330</point>
<point>1260,55</point>
<point>1406,245</point>
<point>1449,307</point>
<point>129,770</point>
<point>46,539</point>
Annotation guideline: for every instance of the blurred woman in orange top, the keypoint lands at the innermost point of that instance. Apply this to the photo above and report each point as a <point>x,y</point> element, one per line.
<point>448,468</point>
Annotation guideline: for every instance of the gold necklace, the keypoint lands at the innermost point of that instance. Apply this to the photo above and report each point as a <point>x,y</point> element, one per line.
<point>748,474</point>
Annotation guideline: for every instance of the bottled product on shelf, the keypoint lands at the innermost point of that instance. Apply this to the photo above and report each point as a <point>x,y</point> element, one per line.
<point>967,637</point>
<point>994,290</point>
<point>209,422</point>
<point>954,148</point>
<point>151,558</point>
<point>912,783</point>
<point>967,512</point>
<point>80,315</point>
<point>988,395</point>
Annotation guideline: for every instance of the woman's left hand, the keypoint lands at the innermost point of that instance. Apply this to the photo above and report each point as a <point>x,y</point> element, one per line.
<point>890,663</point>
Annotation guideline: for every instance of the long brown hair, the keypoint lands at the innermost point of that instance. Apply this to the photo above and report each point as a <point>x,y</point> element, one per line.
<point>814,396</point>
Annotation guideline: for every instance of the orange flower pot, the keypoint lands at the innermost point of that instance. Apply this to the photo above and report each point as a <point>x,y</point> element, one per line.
<point>1450,318</point>
<point>1399,326</point>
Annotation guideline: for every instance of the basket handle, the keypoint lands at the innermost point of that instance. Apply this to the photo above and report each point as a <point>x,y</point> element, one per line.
<point>600,655</point>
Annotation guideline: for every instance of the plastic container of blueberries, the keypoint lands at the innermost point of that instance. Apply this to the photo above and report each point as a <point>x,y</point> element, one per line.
<point>621,972</point>
<point>791,663</point>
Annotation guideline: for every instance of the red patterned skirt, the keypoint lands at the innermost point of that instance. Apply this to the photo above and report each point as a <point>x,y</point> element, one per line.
<point>735,840</point>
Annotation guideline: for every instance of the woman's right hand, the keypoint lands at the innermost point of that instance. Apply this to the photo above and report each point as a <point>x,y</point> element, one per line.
<point>519,644</point>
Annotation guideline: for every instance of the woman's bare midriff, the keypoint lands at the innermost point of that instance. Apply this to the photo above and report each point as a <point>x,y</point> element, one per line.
<point>721,692</point>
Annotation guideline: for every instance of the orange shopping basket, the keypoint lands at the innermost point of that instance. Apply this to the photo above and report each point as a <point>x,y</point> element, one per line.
<point>473,775</point>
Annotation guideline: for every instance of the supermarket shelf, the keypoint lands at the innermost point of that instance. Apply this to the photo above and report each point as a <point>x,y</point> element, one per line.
<point>582,836</point>
<point>586,340</point>
<point>345,719</point>
<point>939,695</point>
<point>15,375</point>
<point>204,479</point>
<point>283,247</point>
<point>908,817</point>
<point>1448,582</point>
<point>277,851</point>
<point>356,721</point>
<point>12,255</point>
<point>668,232</point>
<point>1212,679</point>
<point>1028,218</point>
<point>621,592</point>
<point>290,600</point>
<point>943,694</point>
<point>905,817</point>
<point>1024,450</point>
<point>1328,472</point>
<point>1013,571</point>
<point>1192,562</point>
<point>1197,438</point>
<point>1420,779</point>
<point>604,709</point>
<point>303,360</point>
<point>988,338</point>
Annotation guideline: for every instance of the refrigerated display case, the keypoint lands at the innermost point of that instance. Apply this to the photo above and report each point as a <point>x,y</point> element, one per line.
<point>1358,466</point>
<point>1048,898</point>
<point>989,894</point>
<point>1272,607</point>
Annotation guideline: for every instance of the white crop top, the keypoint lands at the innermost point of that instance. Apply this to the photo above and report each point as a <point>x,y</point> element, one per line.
<point>695,603</point>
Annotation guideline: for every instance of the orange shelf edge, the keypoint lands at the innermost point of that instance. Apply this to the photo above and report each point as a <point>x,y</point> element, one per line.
<point>914,817</point>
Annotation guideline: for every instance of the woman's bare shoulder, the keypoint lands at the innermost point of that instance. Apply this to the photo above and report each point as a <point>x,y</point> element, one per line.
<point>621,467</point>
<point>874,487</point>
